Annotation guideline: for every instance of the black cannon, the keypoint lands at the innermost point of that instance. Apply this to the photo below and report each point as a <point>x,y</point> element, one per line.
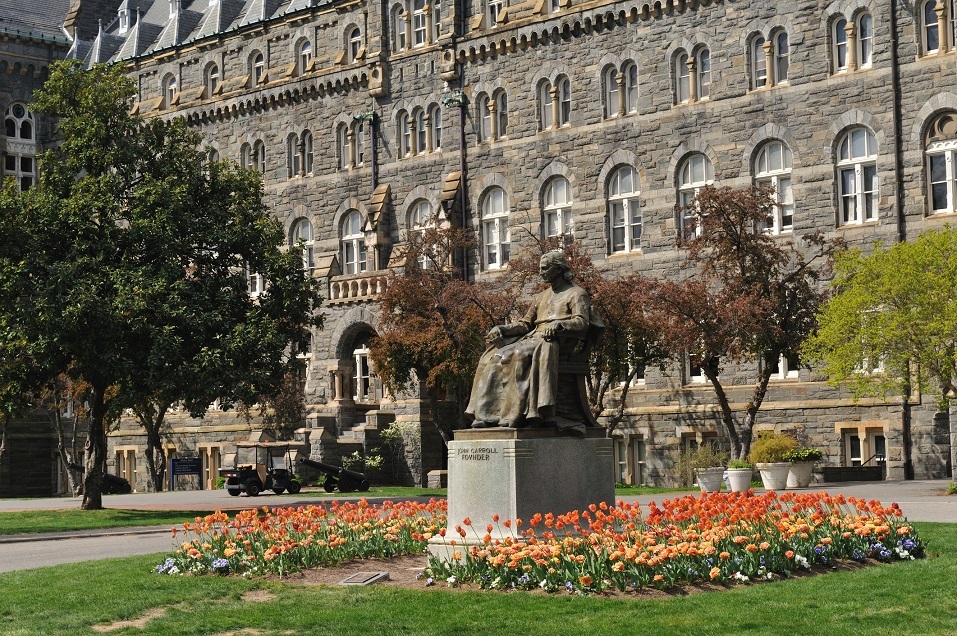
<point>336,477</point>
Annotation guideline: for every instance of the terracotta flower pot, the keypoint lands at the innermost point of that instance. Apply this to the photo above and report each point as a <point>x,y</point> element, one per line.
<point>774,475</point>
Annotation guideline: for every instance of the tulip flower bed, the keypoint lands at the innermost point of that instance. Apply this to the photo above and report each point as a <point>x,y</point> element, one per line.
<point>723,538</point>
<point>283,540</point>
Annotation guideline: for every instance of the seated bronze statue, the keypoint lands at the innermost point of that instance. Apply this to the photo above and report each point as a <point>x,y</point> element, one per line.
<point>517,380</point>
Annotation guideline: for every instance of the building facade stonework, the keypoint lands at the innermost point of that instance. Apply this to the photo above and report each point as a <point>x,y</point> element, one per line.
<point>592,118</point>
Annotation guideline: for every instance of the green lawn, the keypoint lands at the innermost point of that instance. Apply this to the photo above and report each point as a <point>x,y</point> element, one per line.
<point>916,597</point>
<point>76,519</point>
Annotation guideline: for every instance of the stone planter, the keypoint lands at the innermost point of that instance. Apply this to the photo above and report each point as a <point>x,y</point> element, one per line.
<point>799,474</point>
<point>739,479</point>
<point>774,475</point>
<point>709,479</point>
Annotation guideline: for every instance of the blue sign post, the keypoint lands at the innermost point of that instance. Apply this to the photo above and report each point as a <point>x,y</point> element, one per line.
<point>185,466</point>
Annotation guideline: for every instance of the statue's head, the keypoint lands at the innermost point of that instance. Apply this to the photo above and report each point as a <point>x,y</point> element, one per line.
<point>557,258</point>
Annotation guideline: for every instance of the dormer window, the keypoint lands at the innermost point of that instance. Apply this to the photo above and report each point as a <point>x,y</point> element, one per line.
<point>124,19</point>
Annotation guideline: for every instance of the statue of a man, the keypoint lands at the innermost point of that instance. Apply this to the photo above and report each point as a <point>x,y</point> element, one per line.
<point>516,380</point>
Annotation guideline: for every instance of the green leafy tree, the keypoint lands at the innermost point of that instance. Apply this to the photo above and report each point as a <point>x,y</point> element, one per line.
<point>892,322</point>
<point>138,261</point>
<point>747,297</point>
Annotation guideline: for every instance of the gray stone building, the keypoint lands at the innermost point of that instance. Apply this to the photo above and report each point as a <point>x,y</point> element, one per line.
<point>593,118</point>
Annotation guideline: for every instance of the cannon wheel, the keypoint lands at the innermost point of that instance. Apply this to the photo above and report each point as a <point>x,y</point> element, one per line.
<point>234,493</point>
<point>279,491</point>
<point>363,487</point>
<point>330,484</point>
<point>294,488</point>
<point>252,489</point>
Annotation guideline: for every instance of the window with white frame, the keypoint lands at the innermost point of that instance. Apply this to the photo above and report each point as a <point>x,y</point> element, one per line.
<point>930,32</point>
<point>293,159</point>
<point>354,44</point>
<point>941,150</point>
<point>624,210</point>
<point>353,244</point>
<point>564,101</point>
<point>421,219</point>
<point>787,367</point>
<point>436,18</point>
<point>405,134</point>
<point>398,28</point>
<point>496,236</point>
<point>782,59</point>
<point>839,44</point>
<point>484,118</point>
<point>419,28</point>
<point>772,168</point>
<point>857,176</point>
<point>495,8</point>
<point>246,156</point>
<point>169,90</point>
<point>610,81</point>
<point>305,150</point>
<point>682,74</point>
<point>212,155</point>
<point>694,370</point>
<point>257,68</point>
<point>254,282</point>
<point>359,142</point>
<point>212,79</point>
<point>865,40</point>
<point>301,235</point>
<point>556,207</point>
<point>501,104</point>
<point>344,146</point>
<point>545,98</point>
<point>365,383</point>
<point>435,121</point>
<point>259,156</point>
<point>695,173</point>
<point>19,160</point>
<point>703,72</point>
<point>421,132</point>
<point>305,56</point>
<point>630,74</point>
<point>759,66</point>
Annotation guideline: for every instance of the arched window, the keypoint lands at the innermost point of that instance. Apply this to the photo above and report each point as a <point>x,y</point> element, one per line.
<point>343,146</point>
<point>398,28</point>
<point>421,132</point>
<point>293,158</point>
<point>212,155</point>
<point>682,75</point>
<point>495,8</point>
<point>307,154</point>
<point>564,101</point>
<point>839,39</point>
<point>435,121</point>
<point>772,168</point>
<point>695,173</point>
<point>703,70</point>
<point>404,134</point>
<point>545,105</point>
<point>19,161</point>
<point>355,44</point>
<point>246,156</point>
<point>556,207</point>
<point>501,103</point>
<point>436,18</point>
<point>257,68</point>
<point>930,33</point>
<point>630,73</point>
<point>940,143</point>
<point>782,58</point>
<point>259,156</point>
<point>353,244</point>
<point>169,91</point>
<point>305,57</point>
<point>301,235</point>
<point>359,142</point>
<point>624,210</point>
<point>759,67</point>
<point>484,118</point>
<point>857,176</point>
<point>610,81</point>
<point>865,40</point>
<point>366,385</point>
<point>212,79</point>
<point>496,237</point>
<point>419,29</point>
<point>420,220</point>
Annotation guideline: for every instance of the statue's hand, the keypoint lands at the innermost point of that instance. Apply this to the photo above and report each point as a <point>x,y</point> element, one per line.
<point>494,333</point>
<point>551,330</point>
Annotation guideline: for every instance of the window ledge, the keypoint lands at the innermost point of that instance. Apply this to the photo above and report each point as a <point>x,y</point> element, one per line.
<point>854,226</point>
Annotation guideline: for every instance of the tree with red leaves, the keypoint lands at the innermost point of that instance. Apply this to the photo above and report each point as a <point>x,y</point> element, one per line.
<point>746,297</point>
<point>433,322</point>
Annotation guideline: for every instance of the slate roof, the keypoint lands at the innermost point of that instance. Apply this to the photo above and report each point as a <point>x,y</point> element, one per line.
<point>44,18</point>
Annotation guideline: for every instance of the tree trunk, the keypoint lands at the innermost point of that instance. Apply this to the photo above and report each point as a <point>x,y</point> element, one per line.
<point>68,456</point>
<point>95,451</point>
<point>152,421</point>
<point>4,419</point>
<point>952,420</point>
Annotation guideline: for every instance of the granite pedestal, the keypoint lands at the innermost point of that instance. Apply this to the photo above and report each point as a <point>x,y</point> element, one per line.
<point>515,473</point>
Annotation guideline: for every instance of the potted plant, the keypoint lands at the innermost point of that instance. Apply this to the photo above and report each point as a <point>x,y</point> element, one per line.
<point>767,454</point>
<point>708,464</point>
<point>802,466</point>
<point>739,475</point>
